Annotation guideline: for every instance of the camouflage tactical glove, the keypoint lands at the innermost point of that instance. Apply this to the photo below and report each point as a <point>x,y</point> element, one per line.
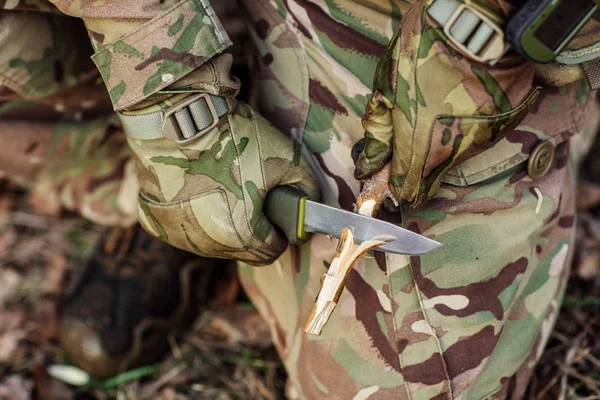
<point>205,161</point>
<point>433,106</point>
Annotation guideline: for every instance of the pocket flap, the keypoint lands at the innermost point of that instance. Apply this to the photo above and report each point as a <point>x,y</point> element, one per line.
<point>558,114</point>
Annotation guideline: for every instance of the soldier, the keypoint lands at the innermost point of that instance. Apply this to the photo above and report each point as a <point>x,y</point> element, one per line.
<point>64,142</point>
<point>480,161</point>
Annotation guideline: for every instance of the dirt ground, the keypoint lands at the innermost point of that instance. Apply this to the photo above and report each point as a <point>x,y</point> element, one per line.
<point>228,353</point>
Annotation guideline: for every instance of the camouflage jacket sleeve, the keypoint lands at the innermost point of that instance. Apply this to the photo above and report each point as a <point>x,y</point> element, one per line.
<point>143,46</point>
<point>433,106</point>
<point>204,194</point>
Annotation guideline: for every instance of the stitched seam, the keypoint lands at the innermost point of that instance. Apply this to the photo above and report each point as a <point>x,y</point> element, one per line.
<point>414,80</point>
<point>581,52</point>
<point>18,86</point>
<point>237,151</point>
<point>302,62</point>
<point>487,169</point>
<point>260,164</point>
<point>217,24</point>
<point>462,174</point>
<point>516,110</point>
<point>433,335</point>
<point>213,69</point>
<point>394,325</point>
<point>244,200</point>
<point>534,92</point>
<point>416,117</point>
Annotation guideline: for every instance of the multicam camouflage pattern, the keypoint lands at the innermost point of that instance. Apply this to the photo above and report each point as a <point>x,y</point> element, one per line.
<point>468,321</point>
<point>433,107</point>
<point>60,137</point>
<point>84,167</point>
<point>143,46</point>
<point>206,196</point>
<point>43,59</point>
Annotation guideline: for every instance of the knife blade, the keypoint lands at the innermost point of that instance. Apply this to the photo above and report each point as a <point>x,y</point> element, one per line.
<point>290,210</point>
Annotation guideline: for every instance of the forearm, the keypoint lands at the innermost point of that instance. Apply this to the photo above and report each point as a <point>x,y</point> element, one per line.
<point>146,50</point>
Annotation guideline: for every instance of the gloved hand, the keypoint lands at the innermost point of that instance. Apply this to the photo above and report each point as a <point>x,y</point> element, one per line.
<point>433,106</point>
<point>206,195</point>
<point>204,171</point>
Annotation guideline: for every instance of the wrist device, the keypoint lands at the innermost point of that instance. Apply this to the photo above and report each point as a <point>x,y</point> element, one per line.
<point>541,29</point>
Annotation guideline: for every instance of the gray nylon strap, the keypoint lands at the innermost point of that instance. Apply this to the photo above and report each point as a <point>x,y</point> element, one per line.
<point>191,119</point>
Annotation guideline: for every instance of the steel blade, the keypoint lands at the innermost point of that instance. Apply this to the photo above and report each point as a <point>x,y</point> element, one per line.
<point>327,220</point>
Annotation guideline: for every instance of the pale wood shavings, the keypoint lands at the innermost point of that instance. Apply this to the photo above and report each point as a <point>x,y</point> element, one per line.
<point>374,192</point>
<point>346,256</point>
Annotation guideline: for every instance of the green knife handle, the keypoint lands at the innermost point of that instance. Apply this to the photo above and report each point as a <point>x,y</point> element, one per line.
<point>285,207</point>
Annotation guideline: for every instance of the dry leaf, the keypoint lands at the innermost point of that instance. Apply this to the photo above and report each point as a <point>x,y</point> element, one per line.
<point>11,319</point>
<point>47,318</point>
<point>240,325</point>
<point>11,333</point>
<point>9,344</point>
<point>8,238</point>
<point>15,387</point>
<point>9,284</point>
<point>45,203</point>
<point>47,388</point>
<point>55,274</point>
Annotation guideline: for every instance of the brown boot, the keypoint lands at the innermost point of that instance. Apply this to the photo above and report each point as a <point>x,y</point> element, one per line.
<point>134,292</point>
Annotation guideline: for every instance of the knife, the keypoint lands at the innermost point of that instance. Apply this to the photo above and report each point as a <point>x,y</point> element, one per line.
<point>297,216</point>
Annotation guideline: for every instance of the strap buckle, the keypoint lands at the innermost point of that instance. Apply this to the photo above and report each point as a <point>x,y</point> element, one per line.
<point>187,120</point>
<point>470,30</point>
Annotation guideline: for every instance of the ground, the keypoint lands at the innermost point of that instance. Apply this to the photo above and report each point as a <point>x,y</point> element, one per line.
<point>228,353</point>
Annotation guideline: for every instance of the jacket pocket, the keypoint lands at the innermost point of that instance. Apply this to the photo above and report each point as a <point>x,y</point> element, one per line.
<point>491,152</point>
<point>557,115</point>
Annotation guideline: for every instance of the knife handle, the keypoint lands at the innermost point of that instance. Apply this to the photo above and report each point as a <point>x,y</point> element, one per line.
<point>284,208</point>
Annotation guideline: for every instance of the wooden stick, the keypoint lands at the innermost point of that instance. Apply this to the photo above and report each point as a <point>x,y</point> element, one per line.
<point>373,194</point>
<point>335,279</point>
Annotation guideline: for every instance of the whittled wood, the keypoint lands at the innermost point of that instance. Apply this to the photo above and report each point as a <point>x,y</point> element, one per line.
<point>374,192</point>
<point>334,281</point>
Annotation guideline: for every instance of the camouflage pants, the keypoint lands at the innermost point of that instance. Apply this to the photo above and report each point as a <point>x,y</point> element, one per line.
<point>465,322</point>
<point>60,137</point>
